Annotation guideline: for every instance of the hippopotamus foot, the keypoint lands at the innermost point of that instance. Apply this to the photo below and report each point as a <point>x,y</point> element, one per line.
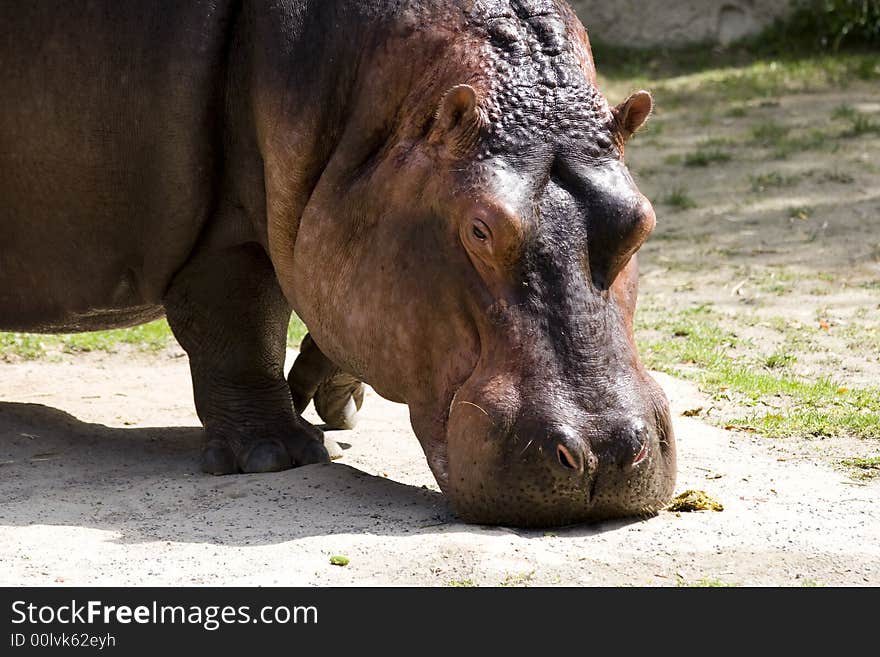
<point>228,313</point>
<point>338,395</point>
<point>338,400</point>
<point>269,450</point>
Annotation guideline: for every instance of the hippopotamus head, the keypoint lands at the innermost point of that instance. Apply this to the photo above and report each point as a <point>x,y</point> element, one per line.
<point>469,249</point>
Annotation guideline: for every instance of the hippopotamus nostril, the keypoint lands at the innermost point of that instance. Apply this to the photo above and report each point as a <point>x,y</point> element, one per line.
<point>634,443</point>
<point>569,460</point>
<point>572,453</point>
<point>627,446</point>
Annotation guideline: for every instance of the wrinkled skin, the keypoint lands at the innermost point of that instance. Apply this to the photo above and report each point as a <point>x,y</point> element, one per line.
<point>436,188</point>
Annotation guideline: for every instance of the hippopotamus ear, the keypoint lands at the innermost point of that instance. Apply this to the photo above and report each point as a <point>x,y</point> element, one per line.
<point>632,113</point>
<point>458,121</point>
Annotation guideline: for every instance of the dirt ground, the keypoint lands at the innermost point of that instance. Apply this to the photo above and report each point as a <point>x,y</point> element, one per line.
<point>783,232</point>
<point>99,485</point>
<point>768,209</point>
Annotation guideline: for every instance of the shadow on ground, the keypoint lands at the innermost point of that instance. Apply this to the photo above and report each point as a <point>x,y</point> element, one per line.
<point>144,484</point>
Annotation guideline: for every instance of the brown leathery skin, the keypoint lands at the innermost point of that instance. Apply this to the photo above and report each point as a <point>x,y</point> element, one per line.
<point>436,187</point>
<point>502,350</point>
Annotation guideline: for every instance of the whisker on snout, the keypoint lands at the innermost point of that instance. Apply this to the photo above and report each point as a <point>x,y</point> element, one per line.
<point>478,407</point>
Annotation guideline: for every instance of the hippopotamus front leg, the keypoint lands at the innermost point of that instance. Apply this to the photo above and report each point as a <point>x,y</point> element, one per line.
<point>228,313</point>
<point>338,395</point>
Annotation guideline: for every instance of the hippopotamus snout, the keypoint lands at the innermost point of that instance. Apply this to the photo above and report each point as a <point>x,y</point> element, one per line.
<point>624,448</point>
<point>546,462</point>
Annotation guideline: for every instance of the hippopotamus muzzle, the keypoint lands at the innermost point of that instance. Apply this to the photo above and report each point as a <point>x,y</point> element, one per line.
<point>554,462</point>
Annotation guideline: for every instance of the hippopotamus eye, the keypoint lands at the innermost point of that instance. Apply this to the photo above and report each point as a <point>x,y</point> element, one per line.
<point>480,230</point>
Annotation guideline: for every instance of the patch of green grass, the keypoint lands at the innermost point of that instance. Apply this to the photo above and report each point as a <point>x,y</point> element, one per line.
<point>705,582</point>
<point>771,78</point>
<point>863,468</point>
<point>771,180</point>
<point>777,323</point>
<point>148,338</point>
<point>696,345</point>
<point>678,198</point>
<point>151,337</point>
<point>860,125</point>
<point>296,331</point>
<point>717,142</point>
<point>705,345</point>
<point>518,579</point>
<point>704,156</point>
<point>826,422</point>
<point>868,69</point>
<point>706,118</point>
<point>860,337</point>
<point>736,112</point>
<point>813,140</point>
<point>822,313</point>
<point>779,361</point>
<point>837,176</point>
<point>26,346</point>
<point>769,133</point>
<point>844,112</point>
<point>778,289</point>
<point>800,212</point>
<point>830,361</point>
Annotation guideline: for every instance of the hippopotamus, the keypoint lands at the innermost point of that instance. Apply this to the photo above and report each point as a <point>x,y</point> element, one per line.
<point>437,188</point>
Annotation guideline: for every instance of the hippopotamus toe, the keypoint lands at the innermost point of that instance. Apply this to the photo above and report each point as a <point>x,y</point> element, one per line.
<point>267,457</point>
<point>218,459</point>
<point>307,449</point>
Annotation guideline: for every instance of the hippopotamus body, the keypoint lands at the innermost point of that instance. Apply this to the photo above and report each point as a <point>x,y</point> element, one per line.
<point>436,187</point>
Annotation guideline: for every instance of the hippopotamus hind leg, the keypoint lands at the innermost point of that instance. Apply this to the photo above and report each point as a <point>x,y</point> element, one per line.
<point>228,313</point>
<point>338,395</point>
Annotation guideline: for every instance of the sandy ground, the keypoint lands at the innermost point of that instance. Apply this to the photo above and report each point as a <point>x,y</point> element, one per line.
<point>99,485</point>
<point>792,266</point>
